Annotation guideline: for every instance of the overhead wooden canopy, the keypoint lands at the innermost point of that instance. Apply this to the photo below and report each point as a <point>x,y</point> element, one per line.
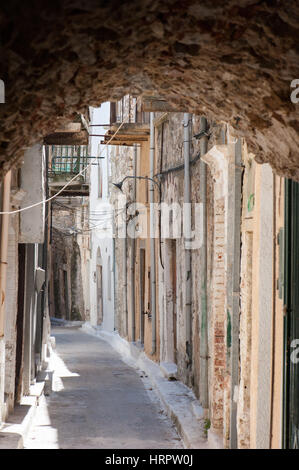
<point>67,138</point>
<point>128,135</point>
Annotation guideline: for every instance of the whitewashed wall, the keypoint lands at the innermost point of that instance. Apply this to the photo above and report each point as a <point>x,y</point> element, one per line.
<point>100,218</point>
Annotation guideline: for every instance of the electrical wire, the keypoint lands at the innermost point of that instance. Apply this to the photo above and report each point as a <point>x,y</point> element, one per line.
<point>77,231</point>
<point>67,184</point>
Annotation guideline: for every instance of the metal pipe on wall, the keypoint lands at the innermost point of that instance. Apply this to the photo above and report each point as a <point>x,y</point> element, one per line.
<point>125,271</point>
<point>235,289</point>
<point>187,236</point>
<point>203,381</point>
<point>152,234</point>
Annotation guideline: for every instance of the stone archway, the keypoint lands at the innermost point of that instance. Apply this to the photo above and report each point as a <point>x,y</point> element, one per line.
<point>232,61</point>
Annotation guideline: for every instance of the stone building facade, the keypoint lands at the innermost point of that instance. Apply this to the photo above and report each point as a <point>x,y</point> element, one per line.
<point>235,307</point>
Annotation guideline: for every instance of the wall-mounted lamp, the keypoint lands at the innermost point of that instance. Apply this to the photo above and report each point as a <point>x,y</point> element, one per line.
<point>119,186</point>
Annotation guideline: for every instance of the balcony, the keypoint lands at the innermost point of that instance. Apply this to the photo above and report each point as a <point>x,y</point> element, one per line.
<point>128,135</point>
<point>64,163</point>
<point>135,129</point>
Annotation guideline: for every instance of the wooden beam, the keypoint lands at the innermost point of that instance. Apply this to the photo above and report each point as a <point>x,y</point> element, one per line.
<point>125,139</point>
<point>113,142</point>
<point>130,128</point>
<point>64,138</point>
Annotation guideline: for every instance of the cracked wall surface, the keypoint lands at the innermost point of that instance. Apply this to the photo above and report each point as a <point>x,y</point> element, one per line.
<point>231,61</point>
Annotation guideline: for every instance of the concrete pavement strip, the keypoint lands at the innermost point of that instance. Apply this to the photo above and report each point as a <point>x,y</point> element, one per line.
<point>14,431</point>
<point>178,400</point>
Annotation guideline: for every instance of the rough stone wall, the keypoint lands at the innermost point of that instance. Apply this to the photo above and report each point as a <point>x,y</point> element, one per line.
<point>218,318</point>
<point>220,159</point>
<point>231,61</point>
<point>82,257</point>
<point>173,193</point>
<point>66,256</point>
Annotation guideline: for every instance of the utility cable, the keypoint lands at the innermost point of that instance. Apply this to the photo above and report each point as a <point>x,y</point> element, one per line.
<point>68,183</point>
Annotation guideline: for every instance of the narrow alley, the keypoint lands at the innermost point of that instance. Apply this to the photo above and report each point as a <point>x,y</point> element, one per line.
<point>98,402</point>
<point>149,225</point>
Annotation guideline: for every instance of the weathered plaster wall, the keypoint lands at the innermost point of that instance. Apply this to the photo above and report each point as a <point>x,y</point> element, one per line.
<point>231,61</point>
<point>143,242</point>
<point>11,313</point>
<point>262,310</point>
<point>277,391</point>
<point>248,207</point>
<point>32,182</point>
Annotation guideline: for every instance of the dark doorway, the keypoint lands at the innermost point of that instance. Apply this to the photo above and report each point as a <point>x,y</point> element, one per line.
<point>141,293</point>
<point>66,295</point>
<point>174,312</point>
<point>20,322</point>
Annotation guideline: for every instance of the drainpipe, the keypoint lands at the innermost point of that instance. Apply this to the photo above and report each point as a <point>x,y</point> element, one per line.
<point>133,249</point>
<point>125,270</point>
<point>187,236</point>
<point>3,272</point>
<point>115,320</point>
<point>152,234</point>
<point>203,381</point>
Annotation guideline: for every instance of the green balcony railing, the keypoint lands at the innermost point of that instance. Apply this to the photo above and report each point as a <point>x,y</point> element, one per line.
<point>68,159</point>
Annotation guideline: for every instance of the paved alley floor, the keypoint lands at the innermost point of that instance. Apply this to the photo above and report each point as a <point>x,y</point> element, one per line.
<point>98,401</point>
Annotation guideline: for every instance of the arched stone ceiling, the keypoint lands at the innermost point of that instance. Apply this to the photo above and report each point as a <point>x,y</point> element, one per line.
<point>231,60</point>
